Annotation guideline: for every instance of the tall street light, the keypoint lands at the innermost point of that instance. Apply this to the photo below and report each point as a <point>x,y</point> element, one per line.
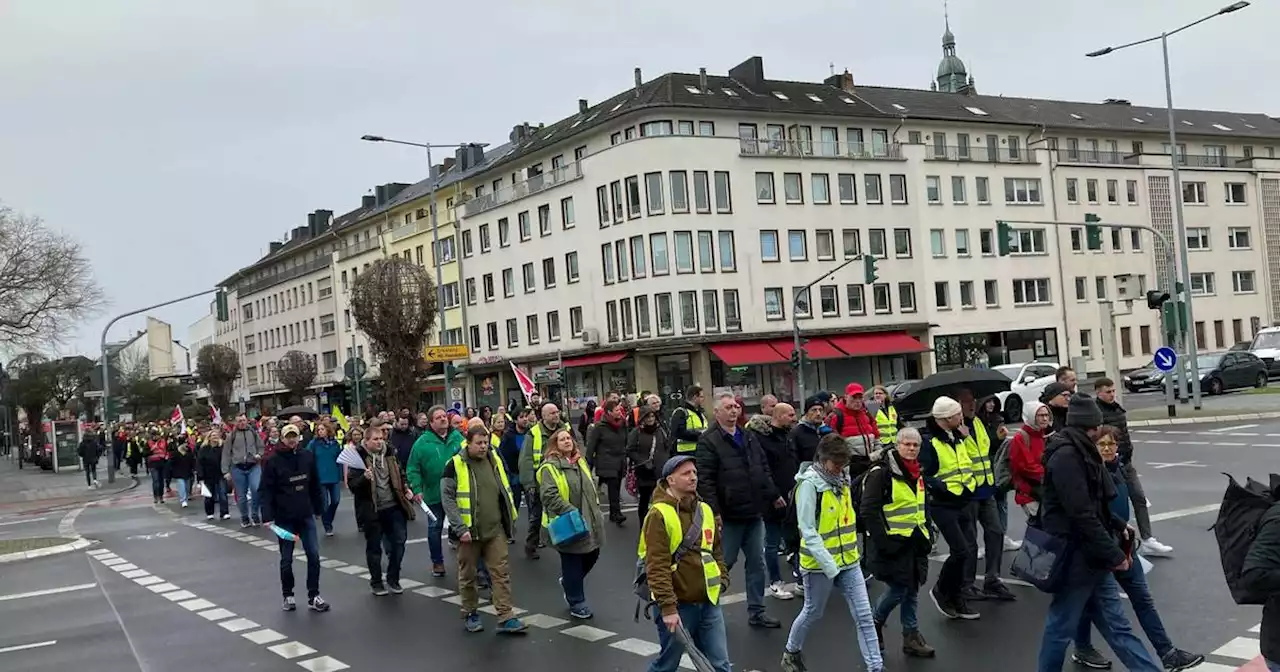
<point>435,231</point>
<point>1176,195</point>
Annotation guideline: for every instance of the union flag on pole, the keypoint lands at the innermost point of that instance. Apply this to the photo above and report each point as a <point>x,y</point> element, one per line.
<point>175,418</point>
<point>526,383</point>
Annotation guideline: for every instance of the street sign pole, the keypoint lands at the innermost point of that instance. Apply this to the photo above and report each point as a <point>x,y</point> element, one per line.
<point>1110,353</point>
<point>1166,360</point>
<point>795,322</point>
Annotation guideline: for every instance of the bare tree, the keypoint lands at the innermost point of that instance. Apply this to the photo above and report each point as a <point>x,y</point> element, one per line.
<point>32,388</point>
<point>46,283</point>
<point>218,366</point>
<point>70,378</point>
<point>394,302</point>
<point>296,371</point>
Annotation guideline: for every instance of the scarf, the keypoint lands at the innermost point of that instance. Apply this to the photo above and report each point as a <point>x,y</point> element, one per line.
<point>836,482</point>
<point>912,467</point>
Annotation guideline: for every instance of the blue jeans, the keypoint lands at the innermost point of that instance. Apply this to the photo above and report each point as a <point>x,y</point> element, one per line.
<point>1134,583</point>
<point>817,588</point>
<point>574,568</point>
<point>332,495</point>
<point>434,531</point>
<point>387,532</point>
<point>246,482</point>
<point>306,533</point>
<point>748,537</point>
<point>157,479</point>
<point>184,491</point>
<point>1272,667</point>
<point>705,624</point>
<point>904,596</point>
<point>772,540</point>
<point>1099,596</point>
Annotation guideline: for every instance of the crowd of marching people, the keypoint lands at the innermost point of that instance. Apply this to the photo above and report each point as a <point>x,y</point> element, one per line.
<point>815,498</point>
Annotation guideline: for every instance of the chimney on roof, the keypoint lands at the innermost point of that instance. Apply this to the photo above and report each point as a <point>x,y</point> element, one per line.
<point>275,247</point>
<point>582,106</point>
<point>474,155</point>
<point>434,171</point>
<point>843,81</point>
<point>448,163</point>
<point>394,189</point>
<point>323,220</point>
<point>380,195</point>
<point>749,72</point>
<point>639,78</point>
<point>702,79</point>
<point>299,233</point>
<point>517,134</point>
<point>368,202</point>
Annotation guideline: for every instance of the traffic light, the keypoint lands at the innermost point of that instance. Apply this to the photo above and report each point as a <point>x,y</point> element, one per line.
<point>220,306</point>
<point>1092,231</point>
<point>1004,238</point>
<point>1156,298</point>
<point>870,273</point>
<point>795,359</point>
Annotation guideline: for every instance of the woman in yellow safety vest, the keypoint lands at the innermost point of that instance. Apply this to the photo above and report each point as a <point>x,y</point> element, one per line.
<point>894,514</point>
<point>886,417</point>
<point>565,484</point>
<point>829,552</point>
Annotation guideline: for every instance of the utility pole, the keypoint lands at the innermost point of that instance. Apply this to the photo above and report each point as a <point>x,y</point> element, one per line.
<point>797,356</point>
<point>1110,353</point>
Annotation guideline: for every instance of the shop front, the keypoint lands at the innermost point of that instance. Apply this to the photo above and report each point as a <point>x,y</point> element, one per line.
<point>591,377</point>
<point>987,349</point>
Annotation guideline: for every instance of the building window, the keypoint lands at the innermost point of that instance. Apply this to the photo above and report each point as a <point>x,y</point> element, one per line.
<point>881,299</point>
<point>632,186</point>
<point>797,245</point>
<point>684,251</point>
<point>544,220</point>
<point>724,198</point>
<point>485,243</point>
<point>803,306</point>
<point>658,250</point>
<point>449,295</point>
<point>769,246</point>
<point>1193,193</point>
<point>508,282</point>
<point>642,316</point>
<point>728,254</point>
<point>938,242</point>
<point>1135,240</point>
<point>902,243</point>
<point>1202,284</point>
<point>553,326</point>
<point>526,231</point>
<point>851,241</point>
<point>701,191</point>
<point>1198,238</point>
<point>488,287</point>
<point>957,190</point>
<point>530,277</point>
<point>475,338</point>
<point>679,191</point>
<point>764,188</point>
<point>1082,288</point>
<point>876,243</point>
<point>1073,192</point>
<point>898,188</point>
<point>991,293</point>
<point>1100,286</point>
<point>1131,191</point>
<point>982,186</point>
<point>653,192</point>
<point>706,252</point>
<point>710,311</point>
<point>606,262</point>
<point>1235,193</point>
<point>774,303</point>
<point>1113,191</point>
<point>1027,241</point>
<point>571,267</point>
<point>821,188</point>
<point>933,188</point>
<point>620,254</point>
<point>824,244</point>
<point>986,242</point>
<point>688,312</point>
<point>732,311</point>
<point>513,333</point>
<point>871,187</point>
<point>1091,190</point>
<point>1242,282</point>
<point>1238,238</point>
<point>848,192</point>
<point>1031,292</point>
<point>1021,190</point>
<point>941,295</point>
<point>792,187</point>
<point>638,259</point>
<point>628,320</point>
<point>575,322</point>
<point>829,300</point>
<point>966,293</point>
<point>327,325</point>
<point>567,219</point>
<point>611,320</point>
<point>504,232</point>
<point>853,294</point>
<point>531,329</point>
<point>1117,241</point>
<point>962,242</point>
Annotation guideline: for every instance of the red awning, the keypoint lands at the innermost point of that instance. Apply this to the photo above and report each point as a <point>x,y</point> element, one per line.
<point>594,360</point>
<point>815,348</point>
<point>742,353</point>
<point>882,343</point>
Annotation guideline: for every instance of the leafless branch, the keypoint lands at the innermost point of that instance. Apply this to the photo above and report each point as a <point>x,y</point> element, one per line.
<point>394,302</point>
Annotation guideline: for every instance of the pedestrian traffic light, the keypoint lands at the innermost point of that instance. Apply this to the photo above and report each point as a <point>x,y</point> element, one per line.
<point>1156,298</point>
<point>220,306</point>
<point>1092,231</point>
<point>869,268</point>
<point>795,359</point>
<point>1004,238</point>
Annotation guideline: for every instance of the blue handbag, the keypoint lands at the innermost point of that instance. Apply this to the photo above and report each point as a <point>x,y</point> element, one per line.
<point>567,528</point>
<point>1043,560</point>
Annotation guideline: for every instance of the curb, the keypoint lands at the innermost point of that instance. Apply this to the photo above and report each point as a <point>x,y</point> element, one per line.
<point>45,552</point>
<point>1204,419</point>
<point>75,500</point>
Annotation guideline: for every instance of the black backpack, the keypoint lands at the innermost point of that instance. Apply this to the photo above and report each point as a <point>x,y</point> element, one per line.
<point>791,540</point>
<point>1239,518</point>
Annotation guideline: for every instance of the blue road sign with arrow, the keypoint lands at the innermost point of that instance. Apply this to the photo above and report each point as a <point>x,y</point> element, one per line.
<point>1166,359</point>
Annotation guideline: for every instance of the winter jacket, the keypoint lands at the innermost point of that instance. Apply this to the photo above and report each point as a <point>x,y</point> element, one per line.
<point>326,451</point>
<point>361,487</point>
<point>290,492</point>
<point>1075,504</point>
<point>1119,505</point>
<point>479,498</point>
<point>1114,414</point>
<point>402,441</point>
<point>854,422</point>
<point>182,463</point>
<point>427,461</point>
<point>809,486</point>
<point>938,493</point>
<point>509,450</point>
<point>804,441</point>
<point>686,584</point>
<point>982,490</point>
<point>157,452</point>
<point>777,452</point>
<point>606,449</point>
<point>1026,447</point>
<point>89,449</point>
<point>242,446</point>
<point>647,452</point>
<point>1261,575</point>
<point>209,463</point>
<point>897,560</point>
<point>582,497</point>
<point>733,474</point>
<point>1059,419</point>
<point>527,467</point>
<point>679,418</point>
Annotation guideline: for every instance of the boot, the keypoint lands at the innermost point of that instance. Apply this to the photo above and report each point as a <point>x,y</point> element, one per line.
<point>793,662</point>
<point>880,635</point>
<point>914,646</point>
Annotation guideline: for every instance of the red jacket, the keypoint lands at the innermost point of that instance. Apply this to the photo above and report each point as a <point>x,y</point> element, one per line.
<point>1024,464</point>
<point>849,422</point>
<point>159,451</point>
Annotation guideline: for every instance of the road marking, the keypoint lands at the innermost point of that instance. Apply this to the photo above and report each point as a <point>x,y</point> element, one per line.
<point>47,591</point>
<point>1266,445</point>
<point>1234,429</point>
<point>135,573</point>
<point>1240,648</point>
<point>457,599</point>
<point>433,591</point>
<point>112,562</point>
<point>1243,434</point>
<point>218,614</point>
<point>1224,443</point>
<point>24,647</point>
<point>263,636</point>
<point>180,596</point>
<point>1166,465</point>
<point>588,633</point>
<point>291,650</point>
<point>198,604</point>
<point>125,567</point>
<point>1176,431</point>
<point>640,647</point>
<point>493,611</point>
<point>148,580</point>
<point>733,598</point>
<point>544,621</point>
<point>162,587</point>
<point>332,564</point>
<point>327,664</point>
<point>24,522</point>
<point>1183,513</point>
<point>1155,441</point>
<point>352,569</point>
<point>100,553</point>
<point>238,625</point>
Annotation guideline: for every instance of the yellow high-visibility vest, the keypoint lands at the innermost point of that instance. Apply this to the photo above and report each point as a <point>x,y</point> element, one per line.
<point>954,466</point>
<point>463,470</point>
<point>837,525</point>
<point>978,443</point>
<point>535,434</point>
<point>563,485</point>
<point>904,512</point>
<point>887,423</point>
<point>675,534</point>
<point>692,422</point>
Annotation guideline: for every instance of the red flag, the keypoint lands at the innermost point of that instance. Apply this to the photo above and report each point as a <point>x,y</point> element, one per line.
<point>175,418</point>
<point>217,415</point>
<point>526,383</point>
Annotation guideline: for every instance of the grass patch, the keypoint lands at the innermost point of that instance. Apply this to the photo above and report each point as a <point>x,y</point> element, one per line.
<point>1262,390</point>
<point>30,544</point>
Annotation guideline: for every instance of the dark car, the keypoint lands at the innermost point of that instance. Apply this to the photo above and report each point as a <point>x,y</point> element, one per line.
<point>1224,371</point>
<point>899,389</point>
<point>1146,378</point>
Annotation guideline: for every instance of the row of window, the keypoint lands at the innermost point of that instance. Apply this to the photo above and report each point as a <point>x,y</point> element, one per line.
<point>664,127</point>
<point>621,200</point>
<point>1022,191</point>
<point>1026,292</point>
<point>1023,242</point>
<point>524,227</point>
<point>286,335</point>
<point>288,299</point>
<point>1144,336</point>
<point>528,276</point>
<point>532,330</point>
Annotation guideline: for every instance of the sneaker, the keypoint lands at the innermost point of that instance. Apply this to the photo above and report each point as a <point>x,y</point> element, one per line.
<point>245,523</point>
<point>209,517</point>
<point>879,634</point>
<point>564,594</point>
<point>473,623</point>
<point>778,591</point>
<point>971,593</point>
<point>914,646</point>
<point>184,505</point>
<point>317,603</point>
<point>982,552</point>
<point>290,604</point>
<point>996,590</point>
<point>793,662</point>
<point>379,590</point>
<point>763,620</point>
<point>328,532</point>
<point>964,612</point>
<point>1178,660</point>
<point>512,626</point>
<point>437,569</point>
<point>945,605</point>
<point>1090,658</point>
<point>581,612</point>
<point>255,521</point>
<point>394,587</point>
<point>1152,546</point>
<point>226,516</point>
<point>1011,544</point>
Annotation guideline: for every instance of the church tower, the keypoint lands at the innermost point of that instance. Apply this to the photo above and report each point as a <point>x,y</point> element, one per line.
<point>952,76</point>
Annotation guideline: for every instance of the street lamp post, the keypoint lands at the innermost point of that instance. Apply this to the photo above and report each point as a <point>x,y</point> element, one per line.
<point>1184,273</point>
<point>435,235</point>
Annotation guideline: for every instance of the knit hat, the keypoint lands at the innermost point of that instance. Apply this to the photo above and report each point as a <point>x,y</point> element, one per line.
<point>674,463</point>
<point>1083,412</point>
<point>814,400</point>
<point>1052,390</point>
<point>945,407</point>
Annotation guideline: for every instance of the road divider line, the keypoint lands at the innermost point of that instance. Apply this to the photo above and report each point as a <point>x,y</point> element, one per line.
<point>23,522</point>
<point>24,647</point>
<point>1235,428</point>
<point>48,591</point>
<point>1183,513</point>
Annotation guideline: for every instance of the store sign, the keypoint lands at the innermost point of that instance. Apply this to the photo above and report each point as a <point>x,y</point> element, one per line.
<point>487,359</point>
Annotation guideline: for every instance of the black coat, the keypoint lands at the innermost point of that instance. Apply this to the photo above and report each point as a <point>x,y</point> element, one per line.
<point>647,452</point>
<point>402,443</point>
<point>1075,506</point>
<point>182,465</point>
<point>289,492</point>
<point>209,463</point>
<point>897,560</point>
<point>361,487</point>
<point>1114,414</point>
<point>89,448</point>
<point>782,464</point>
<point>734,481</point>
<point>804,443</point>
<point>606,449</point>
<point>1261,574</point>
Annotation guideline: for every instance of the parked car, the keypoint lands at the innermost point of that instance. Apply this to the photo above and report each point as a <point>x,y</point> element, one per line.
<point>1146,378</point>
<point>899,389</point>
<point>1222,371</point>
<point>1266,346</point>
<point>1029,380</point>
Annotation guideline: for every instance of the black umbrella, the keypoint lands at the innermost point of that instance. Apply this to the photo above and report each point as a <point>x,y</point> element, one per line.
<point>981,382</point>
<point>303,412</point>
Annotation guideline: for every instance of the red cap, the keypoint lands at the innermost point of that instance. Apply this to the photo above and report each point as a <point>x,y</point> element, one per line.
<point>853,388</point>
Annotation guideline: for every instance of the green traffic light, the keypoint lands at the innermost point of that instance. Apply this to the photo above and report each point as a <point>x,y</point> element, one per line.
<point>870,273</point>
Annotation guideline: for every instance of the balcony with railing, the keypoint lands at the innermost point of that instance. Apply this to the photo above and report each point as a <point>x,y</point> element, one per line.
<point>980,154</point>
<point>359,248</point>
<point>809,149</point>
<point>535,184</point>
<point>1195,161</point>
<point>291,273</point>
<point>1099,158</point>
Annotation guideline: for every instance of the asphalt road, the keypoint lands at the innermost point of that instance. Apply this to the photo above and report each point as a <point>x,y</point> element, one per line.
<point>213,594</point>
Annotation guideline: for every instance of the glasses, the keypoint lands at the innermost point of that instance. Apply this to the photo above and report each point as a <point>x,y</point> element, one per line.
<point>1107,444</point>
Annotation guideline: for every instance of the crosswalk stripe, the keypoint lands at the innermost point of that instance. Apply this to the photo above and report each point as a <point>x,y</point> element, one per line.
<point>1240,648</point>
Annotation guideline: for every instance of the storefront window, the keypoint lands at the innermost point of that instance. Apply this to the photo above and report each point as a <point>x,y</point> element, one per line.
<point>995,348</point>
<point>740,381</point>
<point>487,392</point>
<point>783,381</point>
<point>675,373</point>
<point>621,377</point>
<point>582,384</point>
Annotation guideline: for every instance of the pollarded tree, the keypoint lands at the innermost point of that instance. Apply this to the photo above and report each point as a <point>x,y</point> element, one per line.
<point>218,366</point>
<point>297,372</point>
<point>394,303</point>
<point>31,388</point>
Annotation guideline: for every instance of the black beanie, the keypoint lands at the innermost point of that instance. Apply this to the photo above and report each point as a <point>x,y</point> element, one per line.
<point>1083,412</point>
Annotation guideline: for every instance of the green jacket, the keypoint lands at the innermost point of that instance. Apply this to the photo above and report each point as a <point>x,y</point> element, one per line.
<point>427,460</point>
<point>582,496</point>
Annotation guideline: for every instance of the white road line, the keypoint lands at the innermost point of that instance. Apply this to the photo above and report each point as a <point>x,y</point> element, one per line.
<point>1225,443</point>
<point>33,645</point>
<point>47,591</point>
<point>1236,428</point>
<point>327,664</point>
<point>1183,513</point>
<point>1145,441</point>
<point>1244,434</point>
<point>588,633</point>
<point>1240,648</point>
<point>1176,431</point>
<point>291,650</point>
<point>1266,445</point>
<point>24,522</point>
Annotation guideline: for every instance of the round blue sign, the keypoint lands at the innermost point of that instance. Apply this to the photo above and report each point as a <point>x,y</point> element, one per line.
<point>1165,359</point>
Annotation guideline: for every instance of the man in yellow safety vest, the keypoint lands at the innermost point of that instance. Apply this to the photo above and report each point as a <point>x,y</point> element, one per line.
<point>530,459</point>
<point>688,421</point>
<point>948,473</point>
<point>981,442</point>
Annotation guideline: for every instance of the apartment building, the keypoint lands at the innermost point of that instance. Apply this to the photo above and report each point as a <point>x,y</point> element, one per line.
<point>666,235</point>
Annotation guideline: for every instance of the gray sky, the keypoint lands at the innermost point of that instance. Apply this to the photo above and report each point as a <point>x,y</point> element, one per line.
<point>175,139</point>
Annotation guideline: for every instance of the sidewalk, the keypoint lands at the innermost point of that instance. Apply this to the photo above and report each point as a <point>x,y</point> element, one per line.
<point>32,484</point>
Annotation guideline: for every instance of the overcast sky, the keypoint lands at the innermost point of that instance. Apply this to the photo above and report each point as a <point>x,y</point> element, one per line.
<point>176,138</point>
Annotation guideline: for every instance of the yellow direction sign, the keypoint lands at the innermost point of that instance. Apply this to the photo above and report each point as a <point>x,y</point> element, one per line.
<point>446,353</point>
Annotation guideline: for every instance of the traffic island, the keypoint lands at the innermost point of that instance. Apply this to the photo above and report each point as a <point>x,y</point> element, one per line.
<point>29,548</point>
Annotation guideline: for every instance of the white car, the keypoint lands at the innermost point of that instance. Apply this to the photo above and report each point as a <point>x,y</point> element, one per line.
<point>1028,382</point>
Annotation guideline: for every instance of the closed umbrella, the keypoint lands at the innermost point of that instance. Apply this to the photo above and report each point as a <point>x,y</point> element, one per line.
<point>981,382</point>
